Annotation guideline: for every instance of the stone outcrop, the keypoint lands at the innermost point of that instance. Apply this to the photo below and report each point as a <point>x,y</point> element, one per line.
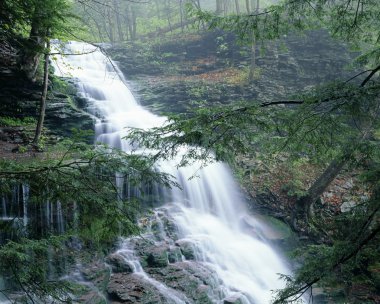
<point>20,99</point>
<point>132,288</point>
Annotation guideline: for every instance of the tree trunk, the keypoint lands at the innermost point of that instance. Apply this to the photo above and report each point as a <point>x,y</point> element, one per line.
<point>41,116</point>
<point>134,24</point>
<point>218,9</point>
<point>161,31</point>
<point>118,21</point>
<point>227,7</point>
<point>158,12</point>
<point>31,52</point>
<point>181,13</point>
<point>253,48</point>
<point>237,7</point>
<point>253,5</point>
<point>168,15</point>
<point>128,13</point>
<point>247,6</point>
<point>303,204</point>
<point>110,26</point>
<point>252,66</point>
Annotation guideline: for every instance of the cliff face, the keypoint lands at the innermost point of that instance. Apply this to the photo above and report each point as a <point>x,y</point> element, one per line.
<point>19,102</point>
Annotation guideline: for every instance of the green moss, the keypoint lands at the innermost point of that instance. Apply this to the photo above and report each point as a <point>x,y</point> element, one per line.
<point>62,86</point>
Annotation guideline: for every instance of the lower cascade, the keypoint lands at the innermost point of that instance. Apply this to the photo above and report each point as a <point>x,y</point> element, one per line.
<point>199,246</point>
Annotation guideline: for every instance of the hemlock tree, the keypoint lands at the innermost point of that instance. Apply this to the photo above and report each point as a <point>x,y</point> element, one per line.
<point>336,123</point>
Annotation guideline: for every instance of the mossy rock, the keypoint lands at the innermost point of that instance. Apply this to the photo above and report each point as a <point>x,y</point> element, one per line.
<point>187,249</point>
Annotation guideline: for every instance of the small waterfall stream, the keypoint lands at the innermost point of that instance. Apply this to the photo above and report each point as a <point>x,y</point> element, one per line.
<point>208,211</point>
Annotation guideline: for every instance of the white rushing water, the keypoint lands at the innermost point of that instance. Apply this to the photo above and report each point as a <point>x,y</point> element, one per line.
<point>207,212</point>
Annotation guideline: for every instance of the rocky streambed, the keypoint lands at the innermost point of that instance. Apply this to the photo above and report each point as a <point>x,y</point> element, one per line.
<point>161,267</point>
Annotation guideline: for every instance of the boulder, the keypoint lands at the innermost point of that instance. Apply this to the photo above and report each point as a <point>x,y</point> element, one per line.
<point>119,264</point>
<point>157,257</point>
<point>91,297</point>
<point>347,206</point>
<point>233,299</point>
<point>132,288</point>
<point>187,248</point>
<point>174,255</point>
<point>191,278</point>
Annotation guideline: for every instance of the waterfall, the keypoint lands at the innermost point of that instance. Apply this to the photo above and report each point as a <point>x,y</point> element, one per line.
<point>3,298</point>
<point>25,201</point>
<point>208,211</point>
<point>60,222</point>
<point>4,204</point>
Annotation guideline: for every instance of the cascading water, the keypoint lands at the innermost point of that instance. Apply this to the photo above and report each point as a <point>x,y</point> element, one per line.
<point>25,201</point>
<point>209,209</point>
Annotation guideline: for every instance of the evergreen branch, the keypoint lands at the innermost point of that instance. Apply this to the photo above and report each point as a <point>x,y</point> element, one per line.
<point>21,284</point>
<point>341,261</point>
<point>281,102</point>
<point>368,78</point>
<point>357,75</point>
<point>75,54</point>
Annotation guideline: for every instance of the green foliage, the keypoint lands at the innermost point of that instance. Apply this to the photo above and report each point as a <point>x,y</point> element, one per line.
<point>26,262</point>
<point>69,172</point>
<point>209,133</point>
<point>62,86</point>
<point>43,15</point>
<point>352,258</point>
<point>314,128</point>
<point>17,122</point>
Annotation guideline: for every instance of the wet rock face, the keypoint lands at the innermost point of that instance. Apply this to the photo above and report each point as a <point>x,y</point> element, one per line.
<point>166,261</point>
<point>191,278</point>
<point>234,299</point>
<point>63,111</point>
<point>157,257</point>
<point>60,112</point>
<point>187,249</point>
<point>118,264</point>
<point>132,288</point>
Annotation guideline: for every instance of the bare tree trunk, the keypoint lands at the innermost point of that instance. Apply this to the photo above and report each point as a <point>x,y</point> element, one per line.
<point>218,9</point>
<point>41,116</point>
<point>181,13</point>
<point>247,6</point>
<point>134,23</point>
<point>167,29</point>
<point>253,5</point>
<point>128,12</point>
<point>110,26</point>
<point>158,12</point>
<point>118,21</point>
<point>253,48</point>
<point>225,7</point>
<point>167,4</point>
<point>237,7</point>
